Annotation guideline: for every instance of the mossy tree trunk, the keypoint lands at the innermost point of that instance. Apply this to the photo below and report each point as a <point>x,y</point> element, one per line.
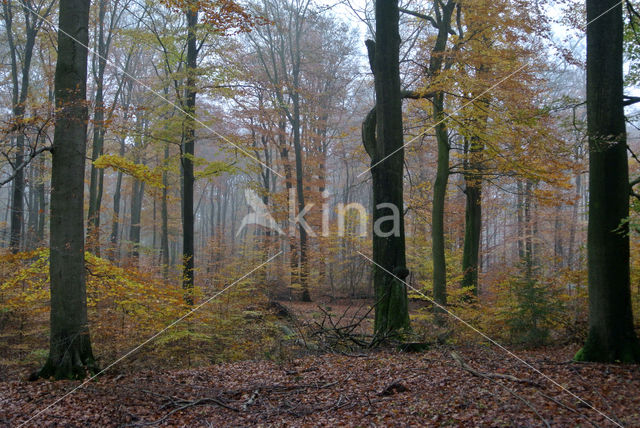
<point>437,65</point>
<point>70,354</point>
<point>439,197</point>
<point>382,137</point>
<point>611,335</point>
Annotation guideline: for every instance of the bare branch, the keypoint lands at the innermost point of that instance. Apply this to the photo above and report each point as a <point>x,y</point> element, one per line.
<point>26,162</point>
<point>629,100</point>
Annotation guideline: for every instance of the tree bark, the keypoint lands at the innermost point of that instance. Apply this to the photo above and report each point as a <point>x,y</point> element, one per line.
<point>70,354</point>
<point>382,136</point>
<point>437,211</point>
<point>443,15</point>
<point>473,217</point>
<point>611,335</point>
<point>188,152</point>
<point>303,275</point>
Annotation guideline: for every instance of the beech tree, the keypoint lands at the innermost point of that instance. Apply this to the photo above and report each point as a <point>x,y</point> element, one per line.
<point>382,136</point>
<point>611,332</point>
<point>188,150</point>
<point>70,354</point>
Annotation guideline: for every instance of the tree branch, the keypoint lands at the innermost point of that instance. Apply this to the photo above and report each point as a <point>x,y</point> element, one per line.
<point>26,162</point>
<point>629,100</point>
<point>419,15</point>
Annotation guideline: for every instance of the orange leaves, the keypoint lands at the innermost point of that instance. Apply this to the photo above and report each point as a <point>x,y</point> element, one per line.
<point>225,16</point>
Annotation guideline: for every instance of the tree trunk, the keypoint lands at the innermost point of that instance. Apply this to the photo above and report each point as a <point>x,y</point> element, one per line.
<point>97,174</point>
<point>70,354</point>
<point>574,222</point>
<point>115,222</point>
<point>188,152</point>
<point>297,145</point>
<point>437,212</point>
<point>164,238</point>
<point>137,196</point>
<point>444,12</point>
<point>472,226</point>
<point>20,92</point>
<point>382,136</point>
<point>473,167</point>
<point>611,335</point>
<point>42,201</point>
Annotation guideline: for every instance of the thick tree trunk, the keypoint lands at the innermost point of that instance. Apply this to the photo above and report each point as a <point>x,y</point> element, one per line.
<point>297,145</point>
<point>473,167</point>
<point>187,158</point>
<point>70,354</point>
<point>382,136</point>
<point>288,180</point>
<point>472,229</point>
<point>611,335</point>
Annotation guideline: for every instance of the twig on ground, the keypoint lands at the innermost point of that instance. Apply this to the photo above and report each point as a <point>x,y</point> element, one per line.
<point>569,408</point>
<point>474,372</point>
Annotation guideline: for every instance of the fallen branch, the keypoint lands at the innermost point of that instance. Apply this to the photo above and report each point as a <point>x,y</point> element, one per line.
<point>474,372</point>
<point>183,404</point>
<point>492,375</point>
<point>251,400</point>
<point>569,408</point>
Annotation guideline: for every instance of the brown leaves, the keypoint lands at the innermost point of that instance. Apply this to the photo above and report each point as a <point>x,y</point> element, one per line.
<point>382,389</point>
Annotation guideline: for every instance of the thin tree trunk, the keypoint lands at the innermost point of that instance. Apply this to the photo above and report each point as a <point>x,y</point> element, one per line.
<point>42,201</point>
<point>164,238</point>
<point>97,174</point>
<point>439,197</point>
<point>574,222</point>
<point>20,92</point>
<point>137,196</point>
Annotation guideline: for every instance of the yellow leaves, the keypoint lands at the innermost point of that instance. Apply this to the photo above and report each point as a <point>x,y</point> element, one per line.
<point>211,168</point>
<point>139,171</point>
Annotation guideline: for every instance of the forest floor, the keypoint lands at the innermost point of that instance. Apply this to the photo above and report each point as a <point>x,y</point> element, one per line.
<point>382,388</point>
